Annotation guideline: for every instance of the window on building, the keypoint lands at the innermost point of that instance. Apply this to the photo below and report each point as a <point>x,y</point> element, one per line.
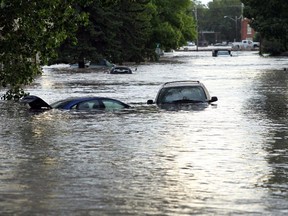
<point>249,29</point>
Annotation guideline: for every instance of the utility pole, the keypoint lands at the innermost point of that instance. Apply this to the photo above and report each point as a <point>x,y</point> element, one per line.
<point>197,34</point>
<point>236,24</point>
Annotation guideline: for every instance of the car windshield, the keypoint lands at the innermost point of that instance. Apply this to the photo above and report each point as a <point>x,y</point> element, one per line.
<point>182,94</point>
<point>223,53</point>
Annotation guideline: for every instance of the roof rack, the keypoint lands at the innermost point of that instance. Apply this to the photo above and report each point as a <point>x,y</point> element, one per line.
<point>182,81</point>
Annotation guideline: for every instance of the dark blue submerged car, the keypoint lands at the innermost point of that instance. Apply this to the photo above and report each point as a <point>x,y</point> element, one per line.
<point>80,103</point>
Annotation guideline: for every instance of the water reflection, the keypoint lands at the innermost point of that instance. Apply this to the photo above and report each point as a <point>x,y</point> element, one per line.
<point>216,160</point>
<point>27,158</point>
<point>270,103</point>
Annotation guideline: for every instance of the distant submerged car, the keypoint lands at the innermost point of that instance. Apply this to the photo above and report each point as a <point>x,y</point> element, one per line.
<point>120,70</point>
<point>182,93</point>
<point>76,103</point>
<point>221,53</point>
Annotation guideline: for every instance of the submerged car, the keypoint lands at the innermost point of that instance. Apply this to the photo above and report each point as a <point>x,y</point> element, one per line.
<point>80,103</point>
<point>182,92</point>
<point>221,52</point>
<point>121,70</point>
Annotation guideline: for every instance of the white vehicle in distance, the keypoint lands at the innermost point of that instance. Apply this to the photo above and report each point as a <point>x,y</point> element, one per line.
<point>245,44</point>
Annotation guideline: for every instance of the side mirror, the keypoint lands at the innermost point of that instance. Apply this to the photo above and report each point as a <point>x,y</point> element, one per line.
<point>150,102</point>
<point>213,99</point>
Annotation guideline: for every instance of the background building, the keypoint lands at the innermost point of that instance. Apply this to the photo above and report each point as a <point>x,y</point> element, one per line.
<point>247,33</point>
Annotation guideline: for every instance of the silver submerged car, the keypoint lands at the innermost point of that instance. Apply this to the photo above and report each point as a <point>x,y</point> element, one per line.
<point>182,93</point>
<point>221,53</point>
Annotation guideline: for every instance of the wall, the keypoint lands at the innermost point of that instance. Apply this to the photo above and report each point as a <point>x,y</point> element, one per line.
<point>247,33</point>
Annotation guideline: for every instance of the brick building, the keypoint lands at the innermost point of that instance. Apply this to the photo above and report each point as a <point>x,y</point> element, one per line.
<point>247,33</point>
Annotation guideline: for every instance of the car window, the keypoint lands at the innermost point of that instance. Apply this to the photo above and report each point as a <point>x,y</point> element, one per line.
<point>111,105</point>
<point>92,104</point>
<point>223,53</point>
<point>194,93</point>
<point>60,104</point>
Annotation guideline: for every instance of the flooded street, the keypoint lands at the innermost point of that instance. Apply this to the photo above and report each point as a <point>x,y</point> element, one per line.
<point>227,159</point>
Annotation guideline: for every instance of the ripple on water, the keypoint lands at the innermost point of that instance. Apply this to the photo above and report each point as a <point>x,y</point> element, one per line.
<point>224,159</point>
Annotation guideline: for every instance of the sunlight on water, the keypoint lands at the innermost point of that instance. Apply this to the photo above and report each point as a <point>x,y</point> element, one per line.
<point>229,158</point>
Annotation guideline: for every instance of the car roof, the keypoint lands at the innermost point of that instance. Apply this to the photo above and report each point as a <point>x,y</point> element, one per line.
<point>182,83</point>
<point>74,100</point>
<point>85,98</point>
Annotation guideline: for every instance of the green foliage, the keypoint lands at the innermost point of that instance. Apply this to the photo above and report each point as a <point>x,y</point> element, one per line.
<point>33,32</point>
<point>117,31</point>
<point>129,30</point>
<point>133,33</point>
<point>273,47</point>
<point>172,24</point>
<point>30,31</point>
<point>270,19</point>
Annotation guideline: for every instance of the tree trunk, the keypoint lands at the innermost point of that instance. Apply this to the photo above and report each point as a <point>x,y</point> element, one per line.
<point>81,64</point>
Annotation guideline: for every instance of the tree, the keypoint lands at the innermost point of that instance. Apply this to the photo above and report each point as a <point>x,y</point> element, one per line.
<point>117,30</point>
<point>29,33</point>
<point>135,31</point>
<point>271,22</point>
<point>172,24</point>
<point>129,30</point>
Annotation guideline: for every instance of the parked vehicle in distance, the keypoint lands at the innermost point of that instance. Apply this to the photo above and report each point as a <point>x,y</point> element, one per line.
<point>120,70</point>
<point>182,92</point>
<point>221,52</point>
<point>189,46</point>
<point>245,44</point>
<point>76,103</point>
<point>223,43</point>
<point>191,43</point>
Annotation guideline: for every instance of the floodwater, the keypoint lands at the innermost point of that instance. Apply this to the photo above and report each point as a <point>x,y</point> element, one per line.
<point>227,159</point>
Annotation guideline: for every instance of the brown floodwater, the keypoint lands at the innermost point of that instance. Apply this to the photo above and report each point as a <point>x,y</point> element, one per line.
<point>226,159</point>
